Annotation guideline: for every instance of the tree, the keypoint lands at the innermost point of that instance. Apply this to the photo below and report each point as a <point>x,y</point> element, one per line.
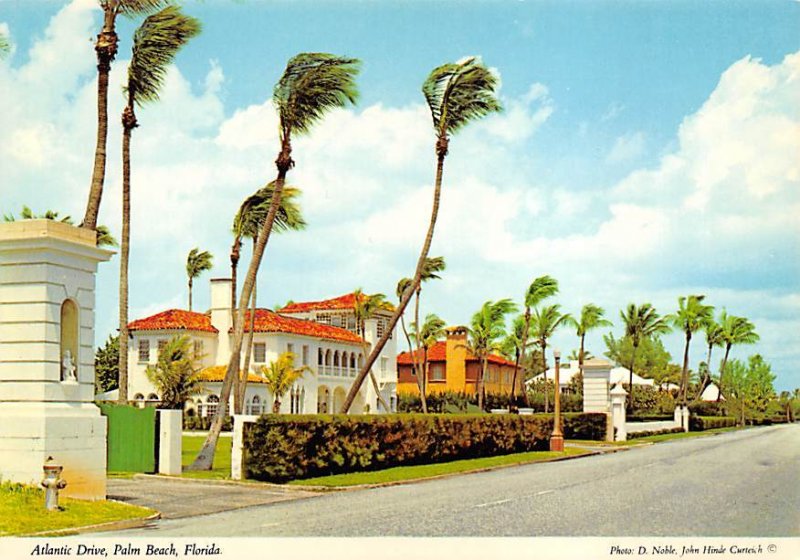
<point>640,323</point>
<point>402,286</point>
<point>713,332</point>
<point>155,44</point>
<point>691,316</point>
<point>544,323</point>
<point>486,329</point>
<point>428,334</point>
<point>457,94</point>
<point>364,308</point>
<point>591,318</point>
<point>279,377</point>
<point>540,289</point>
<point>311,85</point>
<point>197,262</point>
<point>247,223</point>
<point>512,347</point>
<point>750,387</point>
<point>176,375</point>
<point>106,365</point>
<point>734,330</point>
<point>106,49</point>
<point>430,271</point>
<point>651,356</point>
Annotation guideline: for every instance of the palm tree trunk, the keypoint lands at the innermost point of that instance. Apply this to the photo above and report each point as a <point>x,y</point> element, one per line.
<point>722,370</point>
<point>544,368</point>
<point>205,457</point>
<point>514,378</point>
<point>706,376</point>
<point>414,369</point>
<point>248,353</point>
<point>685,370</point>
<point>630,382</point>
<point>124,254</point>
<point>424,377</point>
<point>522,353</point>
<point>190,293</point>
<point>374,381</point>
<point>441,152</point>
<point>481,389</point>
<point>106,49</point>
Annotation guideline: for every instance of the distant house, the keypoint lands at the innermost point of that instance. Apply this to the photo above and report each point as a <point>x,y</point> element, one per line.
<point>570,369</point>
<point>453,368</point>
<point>321,334</point>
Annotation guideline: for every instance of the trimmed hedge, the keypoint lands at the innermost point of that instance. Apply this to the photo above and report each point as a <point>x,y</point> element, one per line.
<point>647,433</point>
<point>702,423</point>
<point>204,423</point>
<point>286,447</point>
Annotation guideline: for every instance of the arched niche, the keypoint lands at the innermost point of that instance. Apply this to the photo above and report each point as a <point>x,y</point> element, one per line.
<point>69,339</point>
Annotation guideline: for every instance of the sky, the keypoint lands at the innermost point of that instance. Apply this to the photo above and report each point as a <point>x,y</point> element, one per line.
<point>647,150</point>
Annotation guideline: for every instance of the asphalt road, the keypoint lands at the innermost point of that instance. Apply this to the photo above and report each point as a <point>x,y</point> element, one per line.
<point>737,484</point>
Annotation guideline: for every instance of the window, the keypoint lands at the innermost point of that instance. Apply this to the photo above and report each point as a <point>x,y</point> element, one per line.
<point>259,352</point>
<point>211,406</point>
<point>324,318</point>
<point>198,349</point>
<point>337,321</point>
<point>162,342</point>
<point>319,356</point>
<point>437,372</point>
<point>381,327</point>
<point>384,365</point>
<point>290,348</point>
<point>305,355</point>
<point>144,350</point>
<point>351,323</point>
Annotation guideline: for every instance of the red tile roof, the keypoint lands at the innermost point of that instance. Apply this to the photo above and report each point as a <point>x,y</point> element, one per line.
<point>174,319</point>
<point>217,374</point>
<point>269,321</point>
<point>437,353</point>
<point>346,301</point>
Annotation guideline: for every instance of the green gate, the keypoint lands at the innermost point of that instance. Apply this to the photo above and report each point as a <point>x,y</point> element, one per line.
<point>132,445</point>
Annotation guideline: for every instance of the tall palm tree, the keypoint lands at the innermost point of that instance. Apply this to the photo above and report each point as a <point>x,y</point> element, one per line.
<point>692,314</point>
<point>544,323</point>
<point>430,271</point>
<point>197,262</point>
<point>591,318</point>
<point>735,330</point>
<point>311,85</point>
<point>364,308</point>
<point>247,223</point>
<point>155,44</point>
<point>426,336</point>
<point>640,322</point>
<point>402,286</point>
<point>106,49</point>
<point>540,289</point>
<point>457,94</point>
<point>512,346</point>
<point>486,329</point>
<point>279,377</point>
<point>713,332</point>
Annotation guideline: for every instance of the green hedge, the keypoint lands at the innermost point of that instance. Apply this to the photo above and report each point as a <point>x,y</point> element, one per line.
<point>647,433</point>
<point>204,423</point>
<point>282,447</point>
<point>702,423</point>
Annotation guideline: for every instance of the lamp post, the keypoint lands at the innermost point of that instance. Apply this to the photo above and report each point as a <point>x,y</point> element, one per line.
<point>557,437</point>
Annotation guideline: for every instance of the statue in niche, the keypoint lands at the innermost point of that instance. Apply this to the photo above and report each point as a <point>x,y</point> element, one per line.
<point>68,368</point>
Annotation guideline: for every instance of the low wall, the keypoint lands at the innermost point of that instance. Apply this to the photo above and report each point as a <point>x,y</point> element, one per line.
<point>635,427</point>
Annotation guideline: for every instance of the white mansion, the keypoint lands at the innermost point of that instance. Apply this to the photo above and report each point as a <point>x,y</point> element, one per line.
<point>322,334</point>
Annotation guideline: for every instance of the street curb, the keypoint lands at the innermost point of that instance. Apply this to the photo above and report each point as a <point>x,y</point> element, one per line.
<point>120,525</point>
<point>226,482</point>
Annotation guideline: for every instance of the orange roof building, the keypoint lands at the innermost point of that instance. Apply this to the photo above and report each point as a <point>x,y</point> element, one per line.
<point>322,335</point>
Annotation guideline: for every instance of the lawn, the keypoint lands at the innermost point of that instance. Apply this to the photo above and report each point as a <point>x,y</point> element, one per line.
<point>655,439</point>
<point>222,457</point>
<point>22,512</point>
<point>398,474</point>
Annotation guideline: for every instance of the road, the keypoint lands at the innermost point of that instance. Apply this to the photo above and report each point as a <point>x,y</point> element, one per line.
<point>743,483</point>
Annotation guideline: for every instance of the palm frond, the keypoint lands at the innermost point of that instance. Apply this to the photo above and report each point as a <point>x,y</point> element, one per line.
<point>133,8</point>
<point>541,288</point>
<point>155,44</point>
<point>311,85</point>
<point>253,212</point>
<point>104,237</point>
<point>197,262</point>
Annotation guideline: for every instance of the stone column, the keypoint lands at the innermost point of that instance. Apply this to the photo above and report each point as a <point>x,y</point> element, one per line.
<point>47,283</point>
<point>596,397</point>
<point>618,395</point>
<point>170,424</point>
<point>237,445</point>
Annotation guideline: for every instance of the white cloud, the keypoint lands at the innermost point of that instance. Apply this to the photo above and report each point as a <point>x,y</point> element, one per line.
<point>626,147</point>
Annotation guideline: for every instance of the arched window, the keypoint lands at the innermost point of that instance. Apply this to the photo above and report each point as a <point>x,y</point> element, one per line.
<point>336,359</point>
<point>153,397</point>
<point>212,402</point>
<point>327,357</point>
<point>255,407</point>
<point>319,356</point>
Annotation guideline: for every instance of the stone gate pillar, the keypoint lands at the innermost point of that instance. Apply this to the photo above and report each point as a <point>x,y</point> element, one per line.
<point>47,282</point>
<point>596,396</point>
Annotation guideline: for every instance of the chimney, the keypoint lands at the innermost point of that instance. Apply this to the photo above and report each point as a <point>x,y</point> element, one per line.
<point>456,356</point>
<point>221,317</point>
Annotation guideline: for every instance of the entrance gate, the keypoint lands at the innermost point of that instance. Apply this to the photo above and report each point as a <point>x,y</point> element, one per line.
<point>132,445</point>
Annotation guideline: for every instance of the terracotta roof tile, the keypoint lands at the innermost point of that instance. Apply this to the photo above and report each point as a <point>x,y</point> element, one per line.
<point>269,321</point>
<point>217,374</point>
<point>437,353</point>
<point>174,319</point>
<point>346,301</point>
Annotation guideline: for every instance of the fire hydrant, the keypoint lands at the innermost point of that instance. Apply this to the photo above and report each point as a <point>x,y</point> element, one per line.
<point>52,483</point>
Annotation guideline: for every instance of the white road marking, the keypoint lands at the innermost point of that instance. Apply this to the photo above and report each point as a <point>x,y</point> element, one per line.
<point>497,503</point>
<point>544,492</point>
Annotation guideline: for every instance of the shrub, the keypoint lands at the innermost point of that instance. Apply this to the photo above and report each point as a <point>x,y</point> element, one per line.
<point>280,447</point>
<point>198,423</point>
<point>702,423</point>
<point>647,433</point>
<point>707,408</point>
<point>650,417</point>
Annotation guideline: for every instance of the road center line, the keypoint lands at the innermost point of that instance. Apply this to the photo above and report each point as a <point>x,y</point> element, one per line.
<point>498,502</point>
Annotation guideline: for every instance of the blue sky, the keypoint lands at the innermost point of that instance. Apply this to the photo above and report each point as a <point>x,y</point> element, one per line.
<point>648,150</point>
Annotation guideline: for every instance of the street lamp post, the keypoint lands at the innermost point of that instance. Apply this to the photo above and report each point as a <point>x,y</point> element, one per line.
<point>557,437</point>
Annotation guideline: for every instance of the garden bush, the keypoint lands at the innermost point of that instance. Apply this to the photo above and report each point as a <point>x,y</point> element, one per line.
<point>282,447</point>
<point>702,423</point>
<point>198,423</point>
<point>707,408</point>
<point>647,433</point>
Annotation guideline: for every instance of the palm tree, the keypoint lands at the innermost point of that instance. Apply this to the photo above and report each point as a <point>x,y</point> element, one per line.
<point>544,323</point>
<point>640,323</point>
<point>364,308</point>
<point>197,262</point>
<point>311,85</point>
<point>247,223</point>
<point>176,375</point>
<point>713,332</point>
<point>426,336</point>
<point>430,271</point>
<point>540,289</point>
<point>692,314</point>
<point>591,318</point>
<point>279,377</point>
<point>513,344</point>
<point>155,44</point>
<point>106,50</point>
<point>735,330</point>
<point>486,329</point>
<point>402,286</point>
<point>457,94</point>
